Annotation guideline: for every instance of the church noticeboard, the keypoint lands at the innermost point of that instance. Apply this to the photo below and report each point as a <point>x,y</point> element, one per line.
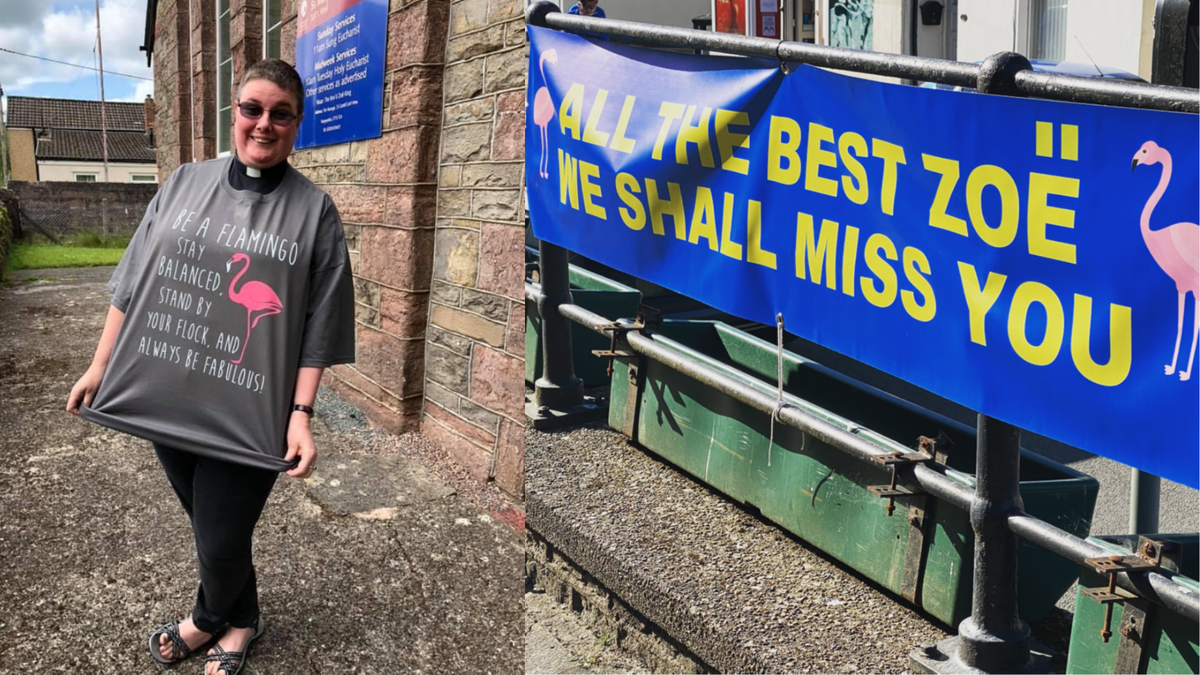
<point>341,47</point>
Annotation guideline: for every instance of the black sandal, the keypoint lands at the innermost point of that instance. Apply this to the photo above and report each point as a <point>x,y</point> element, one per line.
<point>179,648</point>
<point>233,662</point>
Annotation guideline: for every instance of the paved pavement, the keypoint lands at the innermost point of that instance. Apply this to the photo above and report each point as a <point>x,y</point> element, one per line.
<point>372,566</point>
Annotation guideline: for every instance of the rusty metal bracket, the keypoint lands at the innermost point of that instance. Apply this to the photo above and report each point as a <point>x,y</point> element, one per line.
<point>1133,636</point>
<point>646,317</point>
<point>1151,555</point>
<point>891,460</point>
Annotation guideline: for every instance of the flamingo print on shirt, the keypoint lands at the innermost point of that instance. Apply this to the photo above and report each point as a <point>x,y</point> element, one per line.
<point>1176,249</point>
<point>255,296</point>
<point>543,110</point>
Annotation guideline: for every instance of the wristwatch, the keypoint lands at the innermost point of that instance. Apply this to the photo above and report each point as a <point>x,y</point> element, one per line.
<point>302,408</point>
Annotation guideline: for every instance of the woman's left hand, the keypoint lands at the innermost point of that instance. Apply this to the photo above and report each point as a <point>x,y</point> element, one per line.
<point>300,444</point>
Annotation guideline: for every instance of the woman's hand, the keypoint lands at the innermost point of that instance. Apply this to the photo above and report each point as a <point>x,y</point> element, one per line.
<point>300,444</point>
<point>85,389</point>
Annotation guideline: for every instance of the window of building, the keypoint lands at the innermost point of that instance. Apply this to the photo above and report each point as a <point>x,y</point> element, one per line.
<point>85,177</point>
<point>272,28</point>
<point>224,78</point>
<point>1048,29</point>
<point>144,178</point>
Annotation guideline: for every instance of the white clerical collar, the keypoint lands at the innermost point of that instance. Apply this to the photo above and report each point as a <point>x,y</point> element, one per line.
<point>253,172</point>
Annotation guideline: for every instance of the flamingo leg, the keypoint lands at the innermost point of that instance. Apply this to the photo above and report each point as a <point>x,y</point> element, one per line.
<point>1187,374</point>
<point>545,172</point>
<point>244,342</point>
<point>1178,334</point>
<point>265,312</point>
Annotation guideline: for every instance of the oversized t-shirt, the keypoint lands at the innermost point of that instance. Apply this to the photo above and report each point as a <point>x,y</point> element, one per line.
<point>226,294</point>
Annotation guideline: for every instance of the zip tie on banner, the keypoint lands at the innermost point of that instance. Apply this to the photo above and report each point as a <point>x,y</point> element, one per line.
<point>779,404</point>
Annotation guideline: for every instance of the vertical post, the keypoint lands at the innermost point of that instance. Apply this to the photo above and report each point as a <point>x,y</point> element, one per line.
<point>558,387</point>
<point>1143,502</point>
<point>103,114</point>
<point>993,638</point>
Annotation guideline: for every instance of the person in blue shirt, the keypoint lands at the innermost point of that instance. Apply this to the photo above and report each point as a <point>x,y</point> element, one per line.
<point>587,8</point>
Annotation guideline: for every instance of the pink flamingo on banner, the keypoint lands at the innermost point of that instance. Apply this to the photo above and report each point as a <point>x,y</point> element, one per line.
<point>543,110</point>
<point>255,296</point>
<point>1176,249</point>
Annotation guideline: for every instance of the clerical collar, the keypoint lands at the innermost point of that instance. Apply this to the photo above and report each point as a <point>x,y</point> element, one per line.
<point>262,181</point>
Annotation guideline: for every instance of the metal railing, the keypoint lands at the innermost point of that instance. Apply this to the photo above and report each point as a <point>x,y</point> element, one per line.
<point>987,640</point>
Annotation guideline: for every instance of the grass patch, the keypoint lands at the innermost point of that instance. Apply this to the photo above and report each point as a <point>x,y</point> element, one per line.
<point>47,256</point>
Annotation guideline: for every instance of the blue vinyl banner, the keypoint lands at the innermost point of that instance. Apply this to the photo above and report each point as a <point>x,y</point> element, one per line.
<point>1033,260</point>
<point>341,51</point>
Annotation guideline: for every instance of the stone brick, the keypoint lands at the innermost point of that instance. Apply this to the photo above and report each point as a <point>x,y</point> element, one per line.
<point>352,377</point>
<point>460,426</point>
<point>516,331</point>
<point>510,459</point>
<point>498,381</point>
<point>492,175</point>
<point>514,33</point>
<point>480,416</point>
<point>491,306</point>
<point>456,343</point>
<point>397,258</point>
<point>366,315</point>
<point>353,233</point>
<point>416,96</point>
<point>448,369</point>
<point>403,418</point>
<point>501,260</point>
<point>463,81</point>
<point>508,140</point>
<point>403,156</point>
<point>479,110</point>
<point>442,396</point>
<point>417,34</point>
<point>453,203</point>
<point>354,258</point>
<point>446,294</point>
<point>395,364</point>
<point>403,313</point>
<point>411,206</point>
<point>475,44</point>
<point>467,324</point>
<point>496,204</point>
<point>456,257</point>
<point>359,152</point>
<point>466,143</point>
<point>512,102</point>
<point>503,10</point>
<point>338,153</point>
<point>475,461</point>
<point>449,176</point>
<point>358,203</point>
<point>506,70</point>
<point>468,15</point>
<point>366,292</point>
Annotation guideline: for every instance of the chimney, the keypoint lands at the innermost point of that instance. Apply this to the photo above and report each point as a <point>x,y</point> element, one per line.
<point>148,111</point>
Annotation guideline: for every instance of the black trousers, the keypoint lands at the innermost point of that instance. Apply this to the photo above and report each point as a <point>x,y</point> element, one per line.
<point>223,501</point>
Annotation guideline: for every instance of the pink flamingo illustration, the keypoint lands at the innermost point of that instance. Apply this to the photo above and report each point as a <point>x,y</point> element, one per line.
<point>255,296</point>
<point>1176,249</point>
<point>543,110</point>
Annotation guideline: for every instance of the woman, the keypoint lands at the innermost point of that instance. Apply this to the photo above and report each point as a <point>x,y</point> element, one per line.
<point>218,371</point>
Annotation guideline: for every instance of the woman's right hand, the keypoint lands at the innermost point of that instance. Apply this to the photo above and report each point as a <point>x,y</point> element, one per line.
<point>85,389</point>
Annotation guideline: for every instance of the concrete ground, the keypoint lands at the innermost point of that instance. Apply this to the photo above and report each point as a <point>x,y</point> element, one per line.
<point>374,565</point>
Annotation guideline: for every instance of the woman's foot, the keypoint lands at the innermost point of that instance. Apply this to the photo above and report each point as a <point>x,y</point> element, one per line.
<point>193,638</point>
<point>229,654</point>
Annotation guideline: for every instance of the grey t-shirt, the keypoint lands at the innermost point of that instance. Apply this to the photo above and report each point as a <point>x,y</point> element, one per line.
<point>226,293</point>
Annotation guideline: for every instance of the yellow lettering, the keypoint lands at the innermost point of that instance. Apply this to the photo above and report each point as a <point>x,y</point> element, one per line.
<point>1010,205</point>
<point>635,216</point>
<point>849,260</point>
<point>979,302</point>
<point>1041,214</point>
<point>590,133</point>
<point>887,295</point>
<point>938,217</point>
<point>728,246</point>
<point>571,110</point>
<point>727,140</point>
<point>704,219</point>
<point>698,134</point>
<point>672,207</point>
<point>850,147</point>
<point>781,151</point>
<point>619,142</point>
<point>819,157</point>
<point>1027,294</point>
<point>915,260</point>
<point>757,254</point>
<point>892,155</point>
<point>1120,339</point>
<point>567,178</point>
<point>590,190</point>
<point>813,253</point>
<point>669,112</point>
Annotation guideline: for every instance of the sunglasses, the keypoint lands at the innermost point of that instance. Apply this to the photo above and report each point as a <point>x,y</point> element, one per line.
<point>253,111</point>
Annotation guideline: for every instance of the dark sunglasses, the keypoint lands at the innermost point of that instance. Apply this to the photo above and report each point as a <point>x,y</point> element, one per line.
<point>253,111</point>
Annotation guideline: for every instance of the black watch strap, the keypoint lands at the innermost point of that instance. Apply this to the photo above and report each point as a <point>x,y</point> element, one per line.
<point>302,408</point>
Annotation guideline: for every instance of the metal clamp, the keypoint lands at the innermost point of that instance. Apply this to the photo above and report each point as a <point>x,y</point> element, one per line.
<point>1149,557</point>
<point>891,460</point>
<point>646,316</point>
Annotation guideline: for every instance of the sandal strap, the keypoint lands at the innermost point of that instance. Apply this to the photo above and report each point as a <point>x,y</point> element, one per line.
<point>230,661</point>
<point>179,648</point>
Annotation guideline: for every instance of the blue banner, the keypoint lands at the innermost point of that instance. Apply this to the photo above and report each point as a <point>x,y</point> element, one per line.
<point>341,51</point>
<point>999,252</point>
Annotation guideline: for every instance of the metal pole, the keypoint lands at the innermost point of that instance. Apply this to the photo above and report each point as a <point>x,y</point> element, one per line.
<point>103,115</point>
<point>557,387</point>
<point>3,143</point>
<point>1144,491</point>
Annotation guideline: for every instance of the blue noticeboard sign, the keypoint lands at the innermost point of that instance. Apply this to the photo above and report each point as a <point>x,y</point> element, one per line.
<point>1035,261</point>
<point>341,50</point>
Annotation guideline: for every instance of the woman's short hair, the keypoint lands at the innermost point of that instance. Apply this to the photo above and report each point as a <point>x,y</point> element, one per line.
<point>279,73</point>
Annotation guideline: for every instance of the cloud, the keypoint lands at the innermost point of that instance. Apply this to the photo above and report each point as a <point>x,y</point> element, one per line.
<point>67,32</point>
<point>139,94</point>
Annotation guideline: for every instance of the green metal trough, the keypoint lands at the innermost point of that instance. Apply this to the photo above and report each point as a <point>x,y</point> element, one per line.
<point>923,552</point>
<point>1163,642</point>
<point>595,294</point>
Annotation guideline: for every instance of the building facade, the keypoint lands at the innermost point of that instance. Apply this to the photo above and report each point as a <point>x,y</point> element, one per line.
<point>432,208</point>
<point>53,139</point>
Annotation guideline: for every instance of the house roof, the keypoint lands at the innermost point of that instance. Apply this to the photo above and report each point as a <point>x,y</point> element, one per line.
<point>75,144</point>
<point>60,113</point>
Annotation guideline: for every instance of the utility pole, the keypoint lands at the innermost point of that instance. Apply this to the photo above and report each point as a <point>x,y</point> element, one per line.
<point>103,115</point>
<point>3,143</point>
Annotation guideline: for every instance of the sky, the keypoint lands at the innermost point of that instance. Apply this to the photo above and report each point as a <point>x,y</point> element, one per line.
<point>65,30</point>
